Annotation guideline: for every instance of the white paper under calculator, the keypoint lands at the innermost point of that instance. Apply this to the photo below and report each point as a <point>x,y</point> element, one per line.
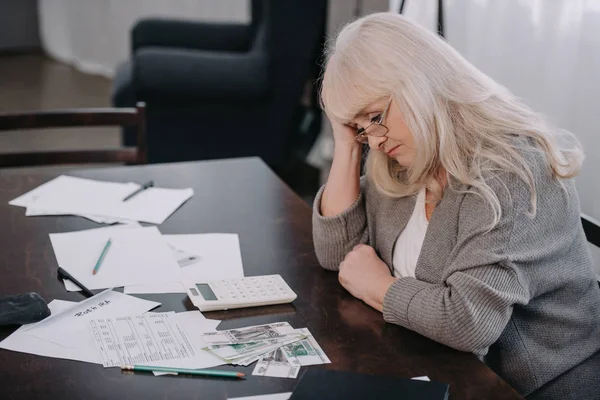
<point>141,339</point>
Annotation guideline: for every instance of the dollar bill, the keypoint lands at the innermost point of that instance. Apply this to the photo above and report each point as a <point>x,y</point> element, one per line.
<point>277,365</point>
<point>248,334</point>
<point>232,353</point>
<point>307,351</point>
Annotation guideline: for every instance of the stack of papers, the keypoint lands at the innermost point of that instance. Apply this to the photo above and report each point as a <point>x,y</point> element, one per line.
<point>140,259</point>
<point>102,202</point>
<point>65,333</point>
<point>145,261</point>
<point>279,349</point>
<point>79,331</point>
<point>156,339</point>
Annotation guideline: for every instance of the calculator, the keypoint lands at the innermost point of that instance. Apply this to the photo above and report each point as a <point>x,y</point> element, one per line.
<point>239,293</point>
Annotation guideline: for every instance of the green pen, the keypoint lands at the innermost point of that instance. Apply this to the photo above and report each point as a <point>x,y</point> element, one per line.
<point>204,372</point>
<point>102,255</point>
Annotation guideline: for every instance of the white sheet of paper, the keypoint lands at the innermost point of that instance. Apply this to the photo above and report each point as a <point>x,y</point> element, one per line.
<point>66,186</point>
<point>421,378</point>
<point>34,212</point>
<point>79,196</point>
<point>275,396</point>
<point>153,205</point>
<point>66,182</point>
<point>24,343</point>
<point>219,257</point>
<point>70,189</point>
<point>70,286</point>
<point>70,329</point>
<point>136,256</point>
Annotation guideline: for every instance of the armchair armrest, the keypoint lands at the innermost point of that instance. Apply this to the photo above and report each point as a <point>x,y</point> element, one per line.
<point>157,32</point>
<point>177,73</point>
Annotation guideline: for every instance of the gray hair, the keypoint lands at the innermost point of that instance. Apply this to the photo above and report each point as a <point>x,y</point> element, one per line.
<point>461,119</point>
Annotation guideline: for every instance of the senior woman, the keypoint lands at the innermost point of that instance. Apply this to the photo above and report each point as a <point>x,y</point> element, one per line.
<point>466,226</point>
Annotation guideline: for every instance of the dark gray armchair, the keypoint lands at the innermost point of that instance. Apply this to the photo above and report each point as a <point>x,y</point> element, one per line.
<point>227,90</point>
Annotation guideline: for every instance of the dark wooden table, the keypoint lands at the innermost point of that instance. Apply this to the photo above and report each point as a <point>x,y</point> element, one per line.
<point>274,225</point>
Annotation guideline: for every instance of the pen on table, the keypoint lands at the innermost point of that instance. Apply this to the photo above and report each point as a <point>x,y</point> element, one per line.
<point>145,186</point>
<point>102,255</point>
<point>68,276</point>
<point>203,372</point>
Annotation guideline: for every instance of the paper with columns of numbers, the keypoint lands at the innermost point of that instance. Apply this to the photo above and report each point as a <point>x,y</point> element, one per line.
<point>69,328</point>
<point>193,321</point>
<point>142,339</point>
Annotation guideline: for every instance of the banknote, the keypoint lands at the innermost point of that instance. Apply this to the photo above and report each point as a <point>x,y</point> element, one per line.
<point>278,349</point>
<point>235,352</point>
<point>276,364</point>
<point>249,357</point>
<point>307,351</point>
<point>247,361</point>
<point>248,334</point>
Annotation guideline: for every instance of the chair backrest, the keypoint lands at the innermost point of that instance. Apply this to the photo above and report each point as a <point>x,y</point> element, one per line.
<point>77,118</point>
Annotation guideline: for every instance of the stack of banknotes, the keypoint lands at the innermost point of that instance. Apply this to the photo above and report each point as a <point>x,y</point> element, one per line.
<point>279,349</point>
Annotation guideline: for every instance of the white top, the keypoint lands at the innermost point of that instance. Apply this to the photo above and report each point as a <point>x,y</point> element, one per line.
<point>409,243</point>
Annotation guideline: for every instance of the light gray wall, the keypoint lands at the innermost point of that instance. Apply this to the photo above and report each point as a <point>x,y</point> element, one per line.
<point>340,12</point>
<point>18,25</point>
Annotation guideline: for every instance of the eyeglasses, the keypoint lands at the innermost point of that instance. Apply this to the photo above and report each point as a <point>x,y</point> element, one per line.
<point>375,128</point>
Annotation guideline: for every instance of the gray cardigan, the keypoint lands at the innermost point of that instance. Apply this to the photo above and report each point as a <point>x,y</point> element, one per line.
<point>522,296</point>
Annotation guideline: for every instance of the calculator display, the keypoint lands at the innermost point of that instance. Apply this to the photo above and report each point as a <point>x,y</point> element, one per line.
<point>206,291</point>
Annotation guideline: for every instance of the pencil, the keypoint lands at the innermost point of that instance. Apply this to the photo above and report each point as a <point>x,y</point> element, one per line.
<point>65,274</point>
<point>102,255</point>
<point>145,186</point>
<point>204,372</point>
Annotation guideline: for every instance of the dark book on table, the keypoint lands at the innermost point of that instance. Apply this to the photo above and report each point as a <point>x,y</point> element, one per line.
<point>326,384</point>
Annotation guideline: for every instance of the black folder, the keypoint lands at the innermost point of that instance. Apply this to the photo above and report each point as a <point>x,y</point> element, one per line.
<point>325,384</point>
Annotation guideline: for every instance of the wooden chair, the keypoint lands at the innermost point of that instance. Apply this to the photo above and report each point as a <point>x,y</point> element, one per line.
<point>75,118</point>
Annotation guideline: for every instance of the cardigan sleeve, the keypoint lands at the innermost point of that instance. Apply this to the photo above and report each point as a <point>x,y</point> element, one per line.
<point>473,305</point>
<point>335,236</point>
